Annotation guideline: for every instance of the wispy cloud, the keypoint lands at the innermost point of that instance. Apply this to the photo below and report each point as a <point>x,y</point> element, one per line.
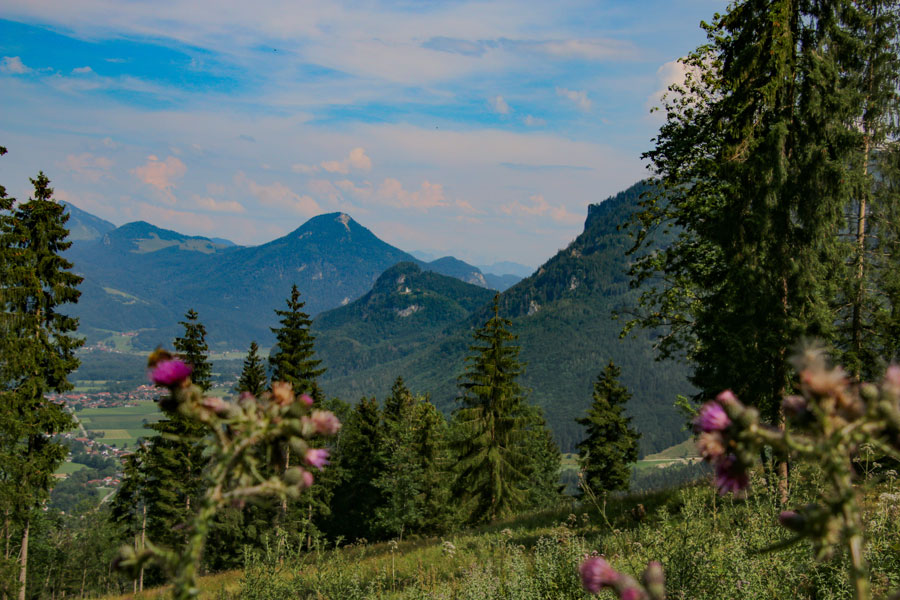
<point>13,65</point>
<point>161,174</point>
<point>279,195</point>
<point>499,105</point>
<point>539,207</point>
<point>356,160</point>
<point>88,166</point>
<point>228,206</point>
<point>579,97</point>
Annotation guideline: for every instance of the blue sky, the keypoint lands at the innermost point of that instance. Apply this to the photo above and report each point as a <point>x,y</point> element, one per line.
<point>477,129</point>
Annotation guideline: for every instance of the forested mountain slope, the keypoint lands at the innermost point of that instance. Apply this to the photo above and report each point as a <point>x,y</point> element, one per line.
<point>562,315</point>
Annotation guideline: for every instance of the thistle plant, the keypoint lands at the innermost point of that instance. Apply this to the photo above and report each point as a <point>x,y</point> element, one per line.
<point>831,421</point>
<point>245,444</point>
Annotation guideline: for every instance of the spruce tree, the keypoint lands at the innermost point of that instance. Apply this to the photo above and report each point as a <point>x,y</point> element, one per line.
<point>293,357</point>
<point>253,375</point>
<point>493,421</point>
<point>172,468</point>
<point>401,478</point>
<point>749,171</point>
<point>611,445</point>
<point>37,353</point>
<point>545,490</point>
<point>356,496</point>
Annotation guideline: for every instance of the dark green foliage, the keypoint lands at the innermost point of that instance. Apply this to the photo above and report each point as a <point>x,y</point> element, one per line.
<point>37,353</point>
<point>493,421</point>
<point>562,315</point>
<point>253,376</point>
<point>292,359</point>
<point>400,481</point>
<point>193,349</point>
<point>171,470</point>
<point>356,497</point>
<point>611,445</point>
<point>751,172</point>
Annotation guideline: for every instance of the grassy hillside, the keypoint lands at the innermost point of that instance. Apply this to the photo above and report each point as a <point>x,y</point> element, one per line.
<point>709,547</point>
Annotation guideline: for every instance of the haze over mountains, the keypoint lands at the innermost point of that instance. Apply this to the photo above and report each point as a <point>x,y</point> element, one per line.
<point>381,313</point>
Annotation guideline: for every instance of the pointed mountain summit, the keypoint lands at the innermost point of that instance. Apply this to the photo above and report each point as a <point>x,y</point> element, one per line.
<point>83,226</point>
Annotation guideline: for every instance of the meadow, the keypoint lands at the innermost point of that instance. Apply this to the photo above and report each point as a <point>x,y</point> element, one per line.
<point>711,547</point>
<point>120,426</point>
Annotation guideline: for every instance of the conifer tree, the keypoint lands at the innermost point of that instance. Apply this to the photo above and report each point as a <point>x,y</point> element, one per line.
<point>253,375</point>
<point>545,490</point>
<point>431,443</point>
<point>356,496</point>
<point>293,357</point>
<point>611,445</point>
<point>37,353</point>
<point>401,478</point>
<point>493,421</point>
<point>174,460</point>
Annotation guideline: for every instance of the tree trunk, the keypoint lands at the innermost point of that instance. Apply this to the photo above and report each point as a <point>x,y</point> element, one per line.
<point>83,578</point>
<point>143,538</point>
<point>23,570</point>
<point>856,319</point>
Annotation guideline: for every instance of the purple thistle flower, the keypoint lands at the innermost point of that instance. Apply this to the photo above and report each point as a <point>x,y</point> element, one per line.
<point>632,593</point>
<point>597,573</point>
<point>306,399</point>
<point>170,373</point>
<point>317,457</point>
<point>325,422</point>
<point>731,476</point>
<point>307,479</point>
<point>791,519</point>
<point>712,417</point>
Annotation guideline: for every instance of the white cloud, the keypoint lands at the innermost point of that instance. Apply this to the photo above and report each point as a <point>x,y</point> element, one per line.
<point>356,160</point>
<point>82,70</point>
<point>161,174</point>
<point>429,195</point>
<point>88,166</point>
<point>499,105</point>
<point>220,205</point>
<point>278,195</point>
<point>539,207</point>
<point>305,169</point>
<point>13,65</point>
<point>579,97</point>
<point>531,121</point>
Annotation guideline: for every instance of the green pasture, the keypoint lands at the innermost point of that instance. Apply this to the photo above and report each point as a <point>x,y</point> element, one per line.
<point>67,468</point>
<point>121,426</point>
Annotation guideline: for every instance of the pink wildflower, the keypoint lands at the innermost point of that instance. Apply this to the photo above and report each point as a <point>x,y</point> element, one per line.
<point>325,422</point>
<point>727,398</point>
<point>795,406</point>
<point>283,393</point>
<point>712,417</point>
<point>317,457</point>
<point>731,475</point>
<point>217,405</point>
<point>306,399</point>
<point>307,479</point>
<point>791,519</point>
<point>711,445</point>
<point>596,573</point>
<point>170,373</point>
<point>632,593</point>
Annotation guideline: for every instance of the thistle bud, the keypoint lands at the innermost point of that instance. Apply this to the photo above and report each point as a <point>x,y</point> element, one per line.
<point>791,519</point>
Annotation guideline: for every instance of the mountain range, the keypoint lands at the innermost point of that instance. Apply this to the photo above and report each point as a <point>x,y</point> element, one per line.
<point>562,315</point>
<point>141,278</point>
<point>380,313</point>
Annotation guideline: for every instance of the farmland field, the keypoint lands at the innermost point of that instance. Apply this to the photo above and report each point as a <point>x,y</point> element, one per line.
<point>121,426</point>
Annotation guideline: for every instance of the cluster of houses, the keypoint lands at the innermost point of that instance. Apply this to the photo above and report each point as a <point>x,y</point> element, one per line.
<point>83,400</point>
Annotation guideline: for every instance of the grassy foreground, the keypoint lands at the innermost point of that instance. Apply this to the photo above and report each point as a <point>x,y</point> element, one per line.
<point>711,548</point>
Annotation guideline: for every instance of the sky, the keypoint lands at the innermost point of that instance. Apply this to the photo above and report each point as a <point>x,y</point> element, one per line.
<point>481,130</point>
